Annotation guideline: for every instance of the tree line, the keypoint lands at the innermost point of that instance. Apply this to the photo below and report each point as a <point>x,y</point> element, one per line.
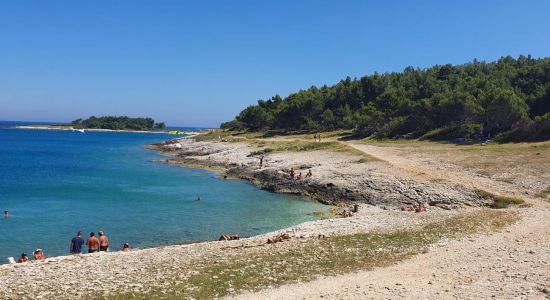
<point>117,123</point>
<point>508,99</point>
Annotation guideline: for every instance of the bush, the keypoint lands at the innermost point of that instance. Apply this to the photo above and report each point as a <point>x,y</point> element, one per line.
<point>527,130</point>
<point>453,132</point>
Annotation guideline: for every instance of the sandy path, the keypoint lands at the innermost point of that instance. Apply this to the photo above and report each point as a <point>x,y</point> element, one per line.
<point>510,264</point>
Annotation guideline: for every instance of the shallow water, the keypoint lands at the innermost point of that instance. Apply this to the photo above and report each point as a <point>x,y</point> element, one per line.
<point>55,183</point>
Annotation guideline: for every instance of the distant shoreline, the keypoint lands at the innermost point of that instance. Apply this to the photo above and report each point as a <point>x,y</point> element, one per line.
<point>69,128</point>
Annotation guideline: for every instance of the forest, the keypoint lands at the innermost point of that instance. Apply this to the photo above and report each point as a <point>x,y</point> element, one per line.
<point>117,123</point>
<point>506,100</point>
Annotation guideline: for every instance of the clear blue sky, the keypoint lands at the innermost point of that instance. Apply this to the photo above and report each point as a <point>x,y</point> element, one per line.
<point>200,63</point>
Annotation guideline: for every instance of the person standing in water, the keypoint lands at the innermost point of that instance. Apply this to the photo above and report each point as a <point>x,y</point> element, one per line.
<point>92,243</point>
<point>125,247</point>
<point>6,214</point>
<point>103,242</point>
<point>76,244</point>
<point>23,258</point>
<point>38,254</point>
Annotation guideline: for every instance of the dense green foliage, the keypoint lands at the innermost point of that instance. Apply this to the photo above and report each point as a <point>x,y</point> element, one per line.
<point>118,123</point>
<point>508,99</point>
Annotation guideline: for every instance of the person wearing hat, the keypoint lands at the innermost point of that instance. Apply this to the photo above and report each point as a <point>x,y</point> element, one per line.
<point>39,255</point>
<point>103,242</point>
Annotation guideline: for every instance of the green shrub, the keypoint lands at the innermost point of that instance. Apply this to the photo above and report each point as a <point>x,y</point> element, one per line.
<point>452,132</point>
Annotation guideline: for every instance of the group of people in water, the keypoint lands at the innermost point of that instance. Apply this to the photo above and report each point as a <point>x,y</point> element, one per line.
<point>38,254</point>
<point>293,175</point>
<point>93,243</point>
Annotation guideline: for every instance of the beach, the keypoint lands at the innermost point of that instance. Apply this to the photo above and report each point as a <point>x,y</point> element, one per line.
<point>464,248</point>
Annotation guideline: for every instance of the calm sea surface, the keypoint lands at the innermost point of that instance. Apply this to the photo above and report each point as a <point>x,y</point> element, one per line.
<point>55,183</point>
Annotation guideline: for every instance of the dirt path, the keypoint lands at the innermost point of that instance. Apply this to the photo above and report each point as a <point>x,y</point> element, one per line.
<point>436,170</point>
<point>511,264</point>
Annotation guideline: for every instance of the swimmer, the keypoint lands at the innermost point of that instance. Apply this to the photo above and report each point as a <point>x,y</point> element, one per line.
<point>23,258</point>
<point>39,255</point>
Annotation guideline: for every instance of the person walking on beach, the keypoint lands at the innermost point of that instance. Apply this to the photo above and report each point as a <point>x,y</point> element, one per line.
<point>261,161</point>
<point>103,242</point>
<point>291,173</point>
<point>76,244</point>
<point>92,243</point>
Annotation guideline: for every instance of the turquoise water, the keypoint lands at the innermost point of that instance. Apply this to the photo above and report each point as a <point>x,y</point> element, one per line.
<point>55,183</point>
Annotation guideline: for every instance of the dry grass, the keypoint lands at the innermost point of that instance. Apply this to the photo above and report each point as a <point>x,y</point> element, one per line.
<point>499,201</point>
<point>286,143</point>
<point>544,194</point>
<point>305,261</point>
<point>521,160</point>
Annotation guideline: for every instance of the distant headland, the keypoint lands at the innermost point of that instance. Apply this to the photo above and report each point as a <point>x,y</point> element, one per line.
<point>117,123</point>
<point>110,123</point>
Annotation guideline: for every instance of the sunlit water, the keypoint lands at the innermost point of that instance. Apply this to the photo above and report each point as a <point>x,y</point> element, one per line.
<point>55,183</point>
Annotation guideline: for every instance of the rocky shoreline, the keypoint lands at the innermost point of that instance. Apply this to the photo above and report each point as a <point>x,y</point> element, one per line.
<point>337,177</point>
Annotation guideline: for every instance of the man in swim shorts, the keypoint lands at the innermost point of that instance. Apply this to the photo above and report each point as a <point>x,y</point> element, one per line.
<point>92,243</point>
<point>103,242</point>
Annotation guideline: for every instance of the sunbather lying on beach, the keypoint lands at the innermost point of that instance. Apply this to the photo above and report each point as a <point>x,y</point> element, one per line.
<point>229,237</point>
<point>346,213</point>
<point>414,207</point>
<point>278,238</point>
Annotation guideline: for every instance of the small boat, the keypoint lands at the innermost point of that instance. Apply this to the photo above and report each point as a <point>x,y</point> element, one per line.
<point>178,132</point>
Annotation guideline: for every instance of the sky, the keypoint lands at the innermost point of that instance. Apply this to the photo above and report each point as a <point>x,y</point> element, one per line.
<point>199,63</point>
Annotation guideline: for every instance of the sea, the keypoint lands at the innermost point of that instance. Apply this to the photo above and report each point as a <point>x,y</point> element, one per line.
<point>55,183</point>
